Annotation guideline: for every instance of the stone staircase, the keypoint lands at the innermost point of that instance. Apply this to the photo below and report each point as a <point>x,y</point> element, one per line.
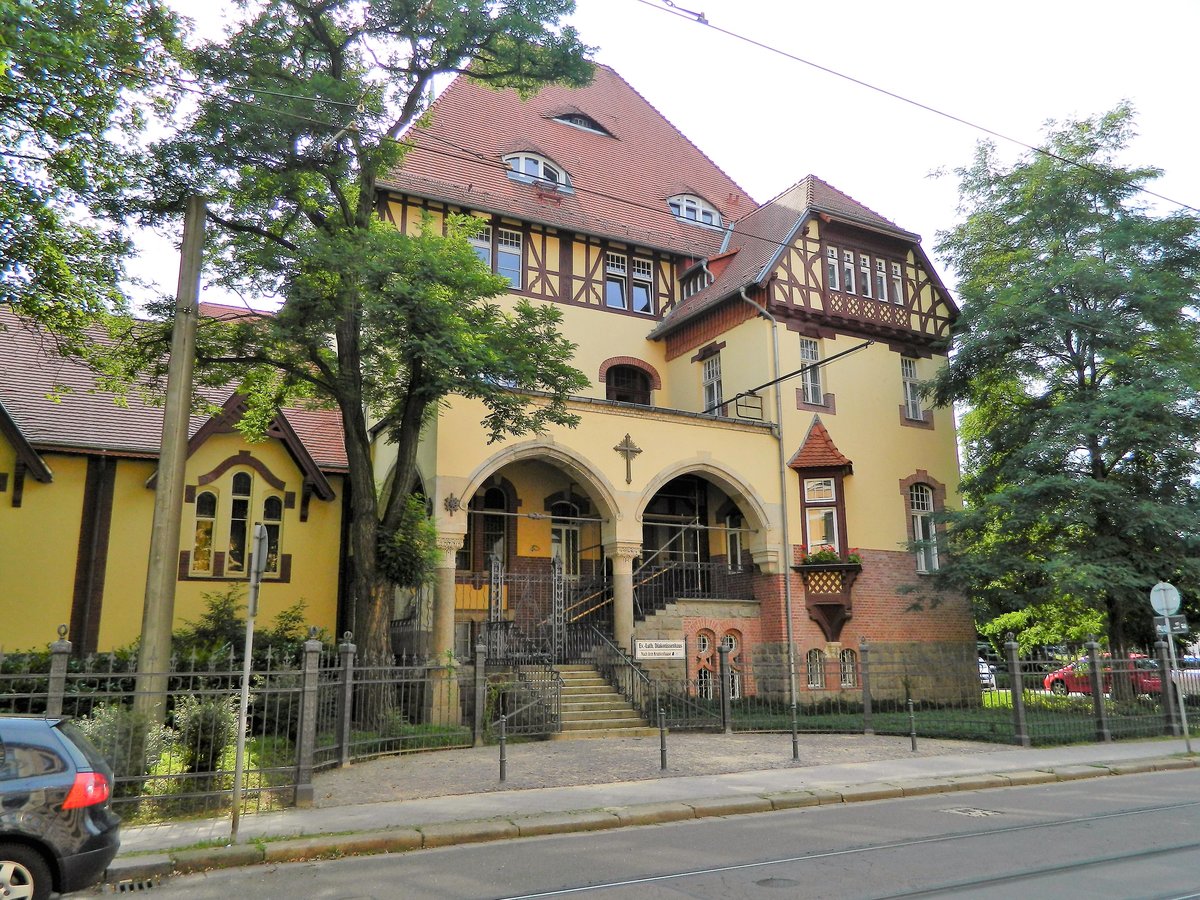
<point>591,708</point>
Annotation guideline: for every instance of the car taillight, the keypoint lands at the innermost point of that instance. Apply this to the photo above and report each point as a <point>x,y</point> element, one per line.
<point>89,789</point>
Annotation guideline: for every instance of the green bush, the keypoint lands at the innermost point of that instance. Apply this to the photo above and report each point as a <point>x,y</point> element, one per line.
<point>206,727</point>
<point>128,739</point>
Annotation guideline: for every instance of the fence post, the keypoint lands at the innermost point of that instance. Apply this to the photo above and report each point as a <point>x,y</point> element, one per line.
<point>1167,691</point>
<point>1016,690</point>
<point>306,737</point>
<point>726,700</point>
<point>60,650</point>
<point>346,650</point>
<point>864,662</point>
<point>1097,681</point>
<point>480,692</point>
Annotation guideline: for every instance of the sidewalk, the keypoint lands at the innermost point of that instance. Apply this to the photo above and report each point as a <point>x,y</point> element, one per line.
<point>455,796</point>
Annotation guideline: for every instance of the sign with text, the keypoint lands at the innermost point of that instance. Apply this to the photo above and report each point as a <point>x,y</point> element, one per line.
<point>1170,625</point>
<point>659,649</point>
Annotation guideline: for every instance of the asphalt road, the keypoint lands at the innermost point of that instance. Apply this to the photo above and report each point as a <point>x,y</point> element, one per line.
<point>1128,837</point>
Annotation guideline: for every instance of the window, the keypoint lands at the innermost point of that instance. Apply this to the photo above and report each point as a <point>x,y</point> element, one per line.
<point>864,272</point>
<point>615,270</point>
<point>487,531</point>
<point>235,558</point>
<point>530,167</point>
<point>820,513</point>
<point>832,269</point>
<point>202,541</point>
<point>848,663</point>
<point>814,665</point>
<point>920,502</point>
<point>848,271</point>
<point>703,645</point>
<point>627,384</point>
<point>730,642</point>
<point>704,684</point>
<point>897,284</point>
<point>694,283</point>
<point>689,208</point>
<point>273,521</point>
<point>881,283</point>
<point>912,389</point>
<point>712,385</point>
<point>508,255</point>
<point>481,243</point>
<point>579,120</point>
<point>643,286</point>
<point>810,379</point>
<point>733,541</point>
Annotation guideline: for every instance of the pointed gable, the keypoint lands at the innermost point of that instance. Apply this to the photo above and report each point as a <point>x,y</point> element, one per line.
<point>621,176</point>
<point>26,455</point>
<point>818,451</point>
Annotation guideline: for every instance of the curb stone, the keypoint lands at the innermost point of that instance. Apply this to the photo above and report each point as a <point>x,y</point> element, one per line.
<point>157,865</point>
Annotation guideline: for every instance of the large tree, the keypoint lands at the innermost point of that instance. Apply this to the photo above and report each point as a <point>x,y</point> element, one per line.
<point>76,77</point>
<point>303,107</point>
<point>1076,358</point>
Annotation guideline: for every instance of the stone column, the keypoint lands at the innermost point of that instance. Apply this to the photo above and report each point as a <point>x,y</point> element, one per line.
<point>623,554</point>
<point>442,639</point>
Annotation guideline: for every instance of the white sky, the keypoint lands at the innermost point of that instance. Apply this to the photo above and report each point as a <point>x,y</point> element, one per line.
<point>769,121</point>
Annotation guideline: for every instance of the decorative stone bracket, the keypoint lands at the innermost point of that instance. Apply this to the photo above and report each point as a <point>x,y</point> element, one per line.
<point>827,595</point>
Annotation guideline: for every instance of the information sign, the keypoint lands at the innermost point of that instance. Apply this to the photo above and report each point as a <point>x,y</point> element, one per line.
<point>659,649</point>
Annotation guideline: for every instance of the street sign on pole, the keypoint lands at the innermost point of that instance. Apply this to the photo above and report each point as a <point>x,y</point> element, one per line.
<point>1164,625</point>
<point>1164,597</point>
<point>258,565</point>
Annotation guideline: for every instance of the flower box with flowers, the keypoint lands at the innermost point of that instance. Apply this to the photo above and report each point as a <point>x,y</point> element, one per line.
<point>828,573</point>
<point>827,555</point>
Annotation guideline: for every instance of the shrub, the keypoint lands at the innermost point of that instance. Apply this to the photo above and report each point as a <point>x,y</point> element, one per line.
<point>128,739</point>
<point>206,727</point>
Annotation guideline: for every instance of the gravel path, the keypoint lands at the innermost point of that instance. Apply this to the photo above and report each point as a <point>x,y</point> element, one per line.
<point>569,762</point>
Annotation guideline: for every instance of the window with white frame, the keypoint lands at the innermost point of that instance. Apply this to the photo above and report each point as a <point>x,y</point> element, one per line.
<point>643,286</point>
<point>533,168</point>
<point>579,120</point>
<point>848,271</point>
<point>616,271</point>
<point>690,208</point>
<point>881,283</point>
<point>481,243</point>
<point>239,523</point>
<point>912,389</point>
<point>897,284</point>
<point>272,521</point>
<point>820,514</point>
<point>733,541</point>
<point>864,274</point>
<point>814,666</point>
<point>920,503</point>
<point>711,379</point>
<point>848,664</point>
<point>508,255</point>
<point>205,533</point>
<point>694,283</point>
<point>833,269</point>
<point>810,378</point>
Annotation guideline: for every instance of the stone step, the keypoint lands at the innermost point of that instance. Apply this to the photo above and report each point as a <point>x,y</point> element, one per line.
<point>596,703</point>
<point>621,725</point>
<point>599,715</point>
<point>599,733</point>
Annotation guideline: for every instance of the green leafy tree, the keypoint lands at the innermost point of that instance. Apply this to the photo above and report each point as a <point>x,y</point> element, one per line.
<point>1077,361</point>
<point>302,110</point>
<point>75,79</point>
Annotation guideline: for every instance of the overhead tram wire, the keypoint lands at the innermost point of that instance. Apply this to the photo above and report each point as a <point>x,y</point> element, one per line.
<point>197,88</point>
<point>673,9</point>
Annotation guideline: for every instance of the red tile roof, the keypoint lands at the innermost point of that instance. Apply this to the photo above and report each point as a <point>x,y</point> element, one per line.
<point>621,181</point>
<point>818,450</point>
<point>55,403</point>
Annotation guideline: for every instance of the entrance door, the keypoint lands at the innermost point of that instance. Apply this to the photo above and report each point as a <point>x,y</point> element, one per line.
<point>564,539</point>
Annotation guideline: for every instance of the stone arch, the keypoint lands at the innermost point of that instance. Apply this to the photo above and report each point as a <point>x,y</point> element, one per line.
<point>734,486</point>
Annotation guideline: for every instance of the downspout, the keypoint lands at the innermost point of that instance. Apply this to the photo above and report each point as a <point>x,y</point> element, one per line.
<point>783,514</point>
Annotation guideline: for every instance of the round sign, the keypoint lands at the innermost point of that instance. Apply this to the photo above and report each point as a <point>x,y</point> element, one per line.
<point>1164,597</point>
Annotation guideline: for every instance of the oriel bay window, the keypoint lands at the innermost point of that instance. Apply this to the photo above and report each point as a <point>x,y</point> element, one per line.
<point>824,510</point>
<point>224,516</point>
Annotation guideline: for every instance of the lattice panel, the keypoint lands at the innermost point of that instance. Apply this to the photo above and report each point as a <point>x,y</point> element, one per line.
<point>824,582</point>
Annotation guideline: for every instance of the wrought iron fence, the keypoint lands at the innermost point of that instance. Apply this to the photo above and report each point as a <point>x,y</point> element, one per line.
<point>664,581</point>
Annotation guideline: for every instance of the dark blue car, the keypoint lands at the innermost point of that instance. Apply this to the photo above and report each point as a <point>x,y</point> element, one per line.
<point>57,828</point>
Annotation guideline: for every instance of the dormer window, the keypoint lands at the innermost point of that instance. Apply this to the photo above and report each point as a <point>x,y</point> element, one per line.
<point>535,169</point>
<point>689,208</point>
<point>579,120</point>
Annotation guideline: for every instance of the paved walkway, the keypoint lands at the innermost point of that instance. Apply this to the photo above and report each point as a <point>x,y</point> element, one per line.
<point>455,796</point>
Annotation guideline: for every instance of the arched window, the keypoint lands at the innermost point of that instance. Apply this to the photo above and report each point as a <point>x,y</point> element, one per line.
<point>924,534</point>
<point>202,540</point>
<point>690,208</point>
<point>814,664</point>
<point>273,522</point>
<point>848,661</point>
<point>239,522</point>
<point>534,168</point>
<point>564,537</point>
<point>627,384</point>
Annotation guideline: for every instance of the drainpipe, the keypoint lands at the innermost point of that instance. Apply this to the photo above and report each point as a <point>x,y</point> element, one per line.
<point>783,507</point>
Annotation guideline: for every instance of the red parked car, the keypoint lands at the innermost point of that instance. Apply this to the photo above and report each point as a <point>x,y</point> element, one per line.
<point>1076,678</point>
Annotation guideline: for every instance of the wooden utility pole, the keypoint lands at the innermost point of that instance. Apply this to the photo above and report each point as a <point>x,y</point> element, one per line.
<point>158,612</point>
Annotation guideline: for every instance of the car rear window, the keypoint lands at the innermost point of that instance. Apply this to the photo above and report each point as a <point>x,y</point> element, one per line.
<point>29,761</point>
<point>82,747</point>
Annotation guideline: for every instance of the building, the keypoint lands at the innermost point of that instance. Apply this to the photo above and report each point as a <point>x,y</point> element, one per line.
<point>712,459</point>
<point>77,503</point>
<point>684,503</point>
